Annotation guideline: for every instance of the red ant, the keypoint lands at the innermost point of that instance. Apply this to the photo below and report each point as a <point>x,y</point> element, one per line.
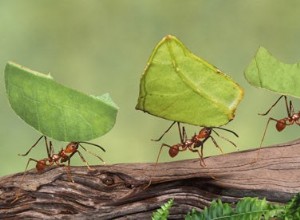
<point>63,156</point>
<point>192,144</point>
<point>292,117</point>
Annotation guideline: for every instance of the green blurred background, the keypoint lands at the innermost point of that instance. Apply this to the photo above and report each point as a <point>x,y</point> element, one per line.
<point>103,46</point>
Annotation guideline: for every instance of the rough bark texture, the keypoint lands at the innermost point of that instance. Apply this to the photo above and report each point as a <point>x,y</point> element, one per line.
<point>120,191</point>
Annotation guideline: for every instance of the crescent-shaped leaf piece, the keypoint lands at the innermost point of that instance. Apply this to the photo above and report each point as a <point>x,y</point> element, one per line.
<point>54,110</point>
<point>179,86</point>
<point>265,71</point>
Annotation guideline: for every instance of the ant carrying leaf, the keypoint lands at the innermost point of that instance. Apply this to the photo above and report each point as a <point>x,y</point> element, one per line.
<point>292,117</point>
<point>193,143</point>
<point>64,155</point>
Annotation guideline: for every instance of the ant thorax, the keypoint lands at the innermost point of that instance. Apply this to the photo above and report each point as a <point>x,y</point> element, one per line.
<point>296,116</point>
<point>56,157</point>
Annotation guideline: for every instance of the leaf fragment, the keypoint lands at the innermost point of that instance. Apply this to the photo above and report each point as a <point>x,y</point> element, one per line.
<point>57,111</point>
<point>179,86</point>
<point>265,71</point>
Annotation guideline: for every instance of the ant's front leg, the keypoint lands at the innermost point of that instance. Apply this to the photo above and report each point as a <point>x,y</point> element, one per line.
<point>202,162</point>
<point>84,160</point>
<point>226,139</point>
<point>92,153</point>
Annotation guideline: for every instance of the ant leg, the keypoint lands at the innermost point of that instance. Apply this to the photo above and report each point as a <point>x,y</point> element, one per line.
<point>22,179</point>
<point>163,145</point>
<point>30,159</point>
<point>91,153</point>
<point>34,145</point>
<point>290,111</point>
<point>50,148</point>
<point>202,163</point>
<point>267,112</point>
<point>265,131</point>
<point>183,138</point>
<point>165,132</point>
<point>263,137</point>
<point>84,160</point>
<point>216,144</point>
<point>225,139</point>
<point>69,171</point>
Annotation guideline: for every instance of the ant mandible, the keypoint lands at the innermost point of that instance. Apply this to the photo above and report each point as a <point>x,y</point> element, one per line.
<point>292,117</point>
<point>63,156</point>
<point>195,142</point>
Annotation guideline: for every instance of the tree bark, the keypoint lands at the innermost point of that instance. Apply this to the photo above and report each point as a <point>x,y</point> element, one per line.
<point>123,191</point>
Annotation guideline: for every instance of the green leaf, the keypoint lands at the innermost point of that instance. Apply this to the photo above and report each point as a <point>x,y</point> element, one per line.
<point>179,86</point>
<point>292,209</point>
<point>247,208</point>
<point>163,212</point>
<point>55,110</point>
<point>265,71</point>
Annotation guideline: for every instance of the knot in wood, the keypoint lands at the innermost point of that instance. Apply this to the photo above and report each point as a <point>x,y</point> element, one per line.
<point>107,180</point>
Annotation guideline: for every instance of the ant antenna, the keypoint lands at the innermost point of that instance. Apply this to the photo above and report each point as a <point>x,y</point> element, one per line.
<point>96,145</point>
<point>225,129</point>
<point>226,139</point>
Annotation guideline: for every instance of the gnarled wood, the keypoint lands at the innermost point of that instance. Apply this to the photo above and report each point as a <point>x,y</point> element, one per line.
<point>119,191</point>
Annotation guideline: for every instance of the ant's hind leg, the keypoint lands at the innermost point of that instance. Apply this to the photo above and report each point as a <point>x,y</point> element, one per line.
<point>22,179</point>
<point>267,112</point>
<point>155,166</point>
<point>161,147</point>
<point>165,132</point>
<point>43,136</point>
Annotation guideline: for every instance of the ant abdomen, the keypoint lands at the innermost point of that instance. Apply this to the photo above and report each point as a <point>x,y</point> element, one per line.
<point>173,151</point>
<point>40,165</point>
<point>280,125</point>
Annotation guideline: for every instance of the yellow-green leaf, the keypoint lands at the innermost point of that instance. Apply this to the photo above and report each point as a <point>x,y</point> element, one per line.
<point>179,86</point>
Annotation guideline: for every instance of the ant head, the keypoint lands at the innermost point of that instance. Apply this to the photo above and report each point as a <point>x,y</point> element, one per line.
<point>280,125</point>
<point>204,133</point>
<point>71,147</point>
<point>173,151</point>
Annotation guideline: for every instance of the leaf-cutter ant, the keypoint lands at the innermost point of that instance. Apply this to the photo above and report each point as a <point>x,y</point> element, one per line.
<point>58,159</point>
<point>193,143</point>
<point>64,155</point>
<point>292,117</point>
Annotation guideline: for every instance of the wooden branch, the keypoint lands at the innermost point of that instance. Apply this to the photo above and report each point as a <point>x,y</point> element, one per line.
<point>120,191</point>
